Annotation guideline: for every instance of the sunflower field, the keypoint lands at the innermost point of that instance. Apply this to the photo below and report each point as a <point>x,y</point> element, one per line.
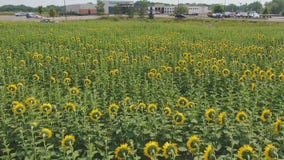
<point>142,89</point>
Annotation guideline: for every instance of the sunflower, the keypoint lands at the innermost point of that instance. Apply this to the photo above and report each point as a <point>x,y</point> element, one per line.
<point>170,150</point>
<point>46,133</point>
<point>266,115</point>
<point>152,108</point>
<point>68,141</point>
<point>66,74</point>
<point>74,91</point>
<point>87,82</point>
<point>245,152</point>
<point>141,106</point>
<point>36,77</point>
<point>95,114</point>
<point>225,72</point>
<point>67,81</point>
<point>208,152</point>
<point>53,79</point>
<point>114,72</point>
<point>177,68</point>
<point>183,102</point>
<point>197,72</point>
<point>122,151</point>
<point>31,101</point>
<point>151,149</point>
<point>46,108</point>
<point>113,109</point>
<point>12,88</point>
<point>192,143</point>
<point>167,111</point>
<point>133,108</point>
<point>241,117</point>
<point>179,118</point>
<point>210,114</point>
<point>14,103</point>
<point>151,75</point>
<point>270,152</point>
<point>252,86</point>
<point>19,108</point>
<point>20,85</point>
<point>221,118</point>
<point>158,76</point>
<point>277,126</point>
<point>214,68</point>
<point>70,106</point>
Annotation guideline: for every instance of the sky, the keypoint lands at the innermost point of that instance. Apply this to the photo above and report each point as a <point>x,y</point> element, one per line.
<point>36,3</point>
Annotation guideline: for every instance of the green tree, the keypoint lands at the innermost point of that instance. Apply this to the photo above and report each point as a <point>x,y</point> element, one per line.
<point>143,6</point>
<point>255,6</point>
<point>130,12</point>
<point>118,9</point>
<point>276,6</point>
<point>181,9</point>
<point>218,9</point>
<point>231,8</point>
<point>40,9</point>
<point>265,10</point>
<point>100,7</point>
<point>52,12</point>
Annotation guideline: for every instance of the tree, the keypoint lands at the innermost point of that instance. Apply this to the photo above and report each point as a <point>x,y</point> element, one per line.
<point>52,12</point>
<point>276,6</point>
<point>231,8</point>
<point>130,12</point>
<point>255,6</point>
<point>118,9</point>
<point>265,11</point>
<point>218,9</point>
<point>143,6</point>
<point>181,9</point>
<point>100,7</point>
<point>40,9</point>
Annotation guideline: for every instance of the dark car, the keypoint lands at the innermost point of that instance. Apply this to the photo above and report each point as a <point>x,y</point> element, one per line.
<point>180,16</point>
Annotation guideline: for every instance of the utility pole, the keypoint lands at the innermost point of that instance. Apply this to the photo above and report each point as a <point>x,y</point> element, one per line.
<point>65,11</point>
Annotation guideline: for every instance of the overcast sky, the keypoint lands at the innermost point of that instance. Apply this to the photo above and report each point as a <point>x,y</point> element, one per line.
<point>35,3</point>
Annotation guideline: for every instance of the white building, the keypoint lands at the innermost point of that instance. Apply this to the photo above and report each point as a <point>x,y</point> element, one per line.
<point>200,10</point>
<point>111,4</point>
<point>83,9</point>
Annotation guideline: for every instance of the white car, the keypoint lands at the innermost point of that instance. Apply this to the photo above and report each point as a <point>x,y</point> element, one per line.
<point>20,14</point>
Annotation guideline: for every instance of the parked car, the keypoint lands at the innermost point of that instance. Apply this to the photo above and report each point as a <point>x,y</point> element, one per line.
<point>253,15</point>
<point>217,15</point>
<point>180,16</point>
<point>20,14</point>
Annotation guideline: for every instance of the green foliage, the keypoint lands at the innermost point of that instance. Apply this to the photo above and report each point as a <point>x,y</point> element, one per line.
<point>143,7</point>
<point>181,9</point>
<point>40,9</point>
<point>276,6</point>
<point>100,7</point>
<point>218,9</point>
<point>255,6</point>
<point>52,12</point>
<point>265,10</point>
<point>229,66</point>
<point>19,8</point>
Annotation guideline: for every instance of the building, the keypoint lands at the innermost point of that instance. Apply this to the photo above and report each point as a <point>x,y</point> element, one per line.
<point>160,8</point>
<point>81,9</point>
<point>198,10</point>
<point>111,6</point>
